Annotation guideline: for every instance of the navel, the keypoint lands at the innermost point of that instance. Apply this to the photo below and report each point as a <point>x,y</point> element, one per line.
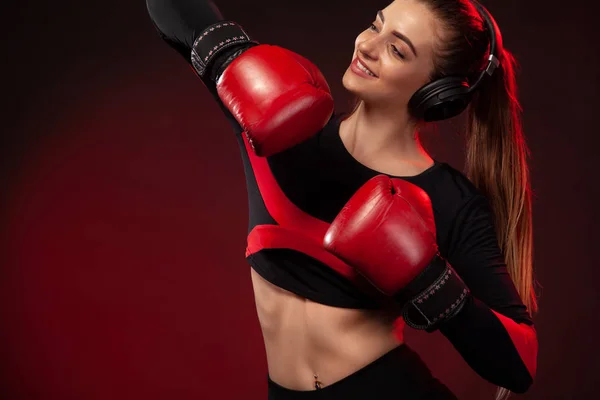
<point>318,384</point>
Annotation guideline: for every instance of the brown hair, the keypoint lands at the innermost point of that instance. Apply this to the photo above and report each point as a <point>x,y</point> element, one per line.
<point>496,150</point>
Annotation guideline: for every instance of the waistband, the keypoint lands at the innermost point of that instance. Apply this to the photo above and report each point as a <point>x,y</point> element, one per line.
<point>398,373</point>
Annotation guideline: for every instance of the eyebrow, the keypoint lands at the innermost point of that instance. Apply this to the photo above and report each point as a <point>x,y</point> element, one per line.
<point>399,35</point>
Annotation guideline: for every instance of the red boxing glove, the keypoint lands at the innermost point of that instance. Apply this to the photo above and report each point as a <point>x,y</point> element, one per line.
<point>278,97</point>
<point>387,232</point>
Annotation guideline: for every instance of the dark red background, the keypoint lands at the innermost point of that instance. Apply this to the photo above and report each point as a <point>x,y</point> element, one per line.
<point>123,212</point>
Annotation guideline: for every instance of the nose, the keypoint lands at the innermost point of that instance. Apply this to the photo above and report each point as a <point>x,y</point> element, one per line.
<point>368,48</point>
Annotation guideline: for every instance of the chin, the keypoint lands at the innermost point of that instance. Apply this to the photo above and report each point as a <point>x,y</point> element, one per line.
<point>355,84</point>
<point>361,88</point>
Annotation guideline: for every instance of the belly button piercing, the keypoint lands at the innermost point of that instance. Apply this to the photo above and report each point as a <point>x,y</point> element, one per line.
<point>318,384</point>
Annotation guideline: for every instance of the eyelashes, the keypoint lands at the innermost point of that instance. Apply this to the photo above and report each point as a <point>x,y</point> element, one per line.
<point>397,52</point>
<point>373,28</point>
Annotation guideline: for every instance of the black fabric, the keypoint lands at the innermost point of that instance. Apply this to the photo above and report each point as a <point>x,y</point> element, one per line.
<point>216,40</point>
<point>179,22</point>
<point>484,344</point>
<point>398,374</point>
<point>441,294</point>
<point>314,280</point>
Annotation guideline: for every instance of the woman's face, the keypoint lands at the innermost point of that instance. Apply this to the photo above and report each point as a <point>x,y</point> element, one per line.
<point>397,49</point>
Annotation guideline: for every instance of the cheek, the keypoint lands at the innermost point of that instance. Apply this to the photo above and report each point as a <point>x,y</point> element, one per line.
<point>405,77</point>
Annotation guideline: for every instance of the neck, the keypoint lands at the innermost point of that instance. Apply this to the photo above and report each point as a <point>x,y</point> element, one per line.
<point>376,131</point>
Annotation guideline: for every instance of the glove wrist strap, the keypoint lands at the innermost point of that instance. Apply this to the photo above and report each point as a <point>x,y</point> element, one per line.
<point>213,41</point>
<point>440,295</point>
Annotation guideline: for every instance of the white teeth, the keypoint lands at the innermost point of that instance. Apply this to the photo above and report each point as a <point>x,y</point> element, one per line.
<point>364,69</point>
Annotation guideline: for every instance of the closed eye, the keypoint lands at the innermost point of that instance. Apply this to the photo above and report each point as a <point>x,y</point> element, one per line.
<point>395,50</point>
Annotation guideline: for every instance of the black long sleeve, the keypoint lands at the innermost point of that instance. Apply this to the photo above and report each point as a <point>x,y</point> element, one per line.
<point>493,332</point>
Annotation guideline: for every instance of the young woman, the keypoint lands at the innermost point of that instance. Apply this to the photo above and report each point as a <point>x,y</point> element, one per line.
<point>354,229</point>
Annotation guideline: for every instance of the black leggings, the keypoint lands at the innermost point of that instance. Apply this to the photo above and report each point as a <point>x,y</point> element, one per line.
<point>398,374</point>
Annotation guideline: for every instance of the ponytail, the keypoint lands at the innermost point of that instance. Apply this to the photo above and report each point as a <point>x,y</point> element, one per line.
<point>497,165</point>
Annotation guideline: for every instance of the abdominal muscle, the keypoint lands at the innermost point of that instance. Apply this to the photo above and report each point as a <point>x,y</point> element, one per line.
<point>304,339</point>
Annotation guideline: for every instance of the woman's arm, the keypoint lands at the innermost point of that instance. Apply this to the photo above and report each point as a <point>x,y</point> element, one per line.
<point>387,232</point>
<point>278,97</point>
<point>178,22</point>
<point>493,332</point>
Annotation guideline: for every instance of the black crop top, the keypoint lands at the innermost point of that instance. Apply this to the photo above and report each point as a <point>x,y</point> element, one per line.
<point>319,176</point>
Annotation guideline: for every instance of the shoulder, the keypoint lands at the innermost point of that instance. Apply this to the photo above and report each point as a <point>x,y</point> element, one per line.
<point>453,196</point>
<point>448,188</point>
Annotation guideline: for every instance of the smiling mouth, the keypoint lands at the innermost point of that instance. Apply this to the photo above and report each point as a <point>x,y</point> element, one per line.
<point>364,68</point>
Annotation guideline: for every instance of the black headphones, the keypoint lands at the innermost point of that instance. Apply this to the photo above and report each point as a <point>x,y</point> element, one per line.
<point>449,96</point>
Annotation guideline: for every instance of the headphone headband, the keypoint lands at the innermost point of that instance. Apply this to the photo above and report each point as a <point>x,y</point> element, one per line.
<point>449,96</point>
<point>493,61</point>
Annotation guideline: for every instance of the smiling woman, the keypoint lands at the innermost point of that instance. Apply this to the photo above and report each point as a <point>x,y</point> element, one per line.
<point>355,231</point>
<point>397,49</point>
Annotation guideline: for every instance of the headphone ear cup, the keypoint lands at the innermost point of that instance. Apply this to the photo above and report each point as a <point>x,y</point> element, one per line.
<point>441,99</point>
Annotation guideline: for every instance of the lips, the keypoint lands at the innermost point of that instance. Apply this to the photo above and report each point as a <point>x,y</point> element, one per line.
<point>363,66</point>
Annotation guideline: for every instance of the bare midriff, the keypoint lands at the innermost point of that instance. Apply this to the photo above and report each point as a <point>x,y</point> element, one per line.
<point>311,345</point>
